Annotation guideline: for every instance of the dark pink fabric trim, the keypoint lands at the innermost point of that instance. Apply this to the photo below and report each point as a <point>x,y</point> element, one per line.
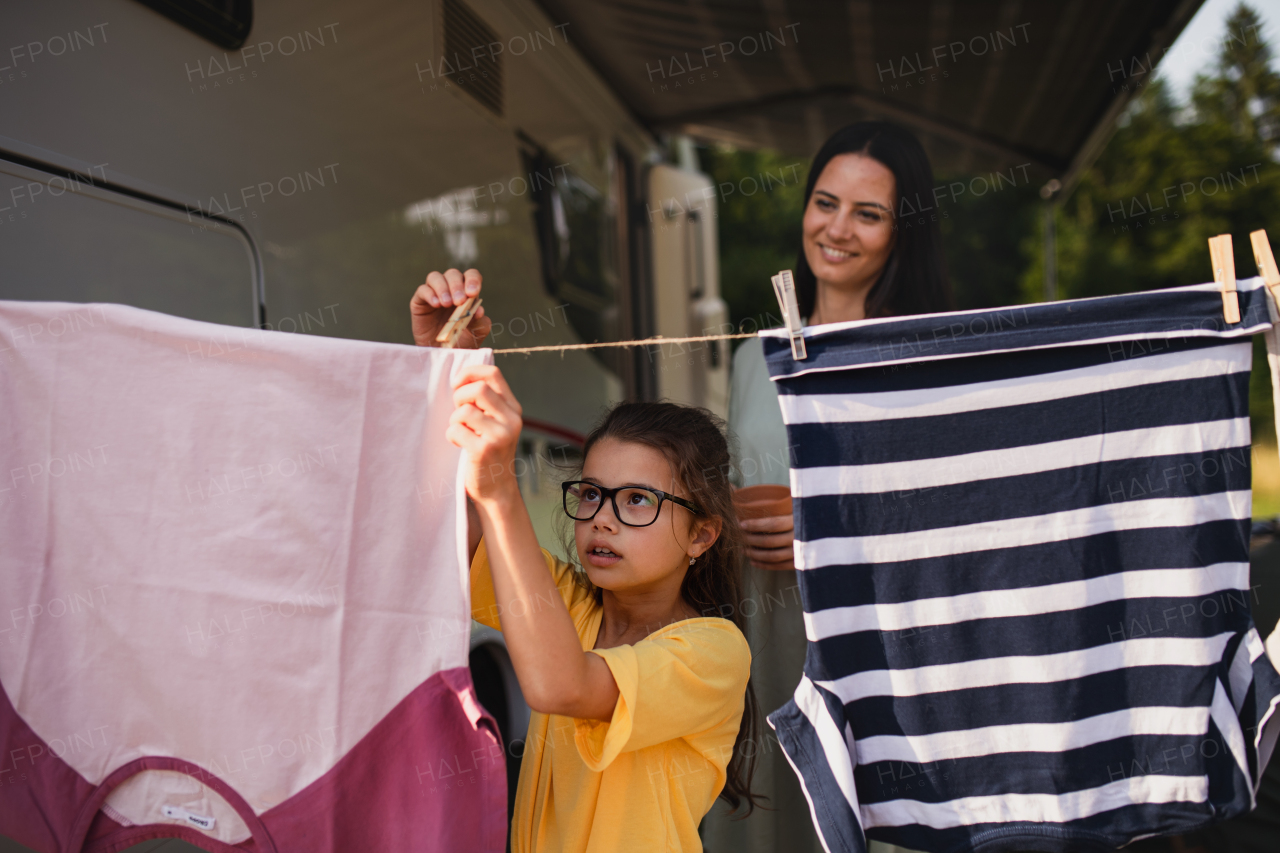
<point>115,837</point>
<point>426,779</point>
<point>80,829</point>
<point>39,793</point>
<point>430,777</point>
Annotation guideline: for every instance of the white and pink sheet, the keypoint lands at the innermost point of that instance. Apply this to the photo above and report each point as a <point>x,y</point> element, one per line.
<point>233,591</point>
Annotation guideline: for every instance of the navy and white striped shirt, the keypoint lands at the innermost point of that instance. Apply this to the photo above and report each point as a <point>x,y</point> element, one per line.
<point>1022,543</point>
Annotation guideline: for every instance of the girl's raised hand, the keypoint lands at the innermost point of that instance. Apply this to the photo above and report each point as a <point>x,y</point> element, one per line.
<point>486,423</point>
<point>433,303</point>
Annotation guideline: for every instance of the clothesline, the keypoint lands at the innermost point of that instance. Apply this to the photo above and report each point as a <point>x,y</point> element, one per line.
<point>639,343</point>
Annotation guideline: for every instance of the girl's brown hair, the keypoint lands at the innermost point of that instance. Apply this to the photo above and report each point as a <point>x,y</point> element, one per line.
<point>694,441</point>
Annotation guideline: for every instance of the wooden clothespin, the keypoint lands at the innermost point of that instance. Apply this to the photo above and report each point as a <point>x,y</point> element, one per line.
<point>1224,273</point>
<point>784,287</point>
<point>458,322</point>
<point>1266,262</point>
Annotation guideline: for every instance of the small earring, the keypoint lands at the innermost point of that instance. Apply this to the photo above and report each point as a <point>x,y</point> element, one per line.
<point>691,559</point>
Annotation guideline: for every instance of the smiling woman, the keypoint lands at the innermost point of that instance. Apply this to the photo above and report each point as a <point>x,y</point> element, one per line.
<point>865,252</point>
<point>858,260</point>
<point>848,234</point>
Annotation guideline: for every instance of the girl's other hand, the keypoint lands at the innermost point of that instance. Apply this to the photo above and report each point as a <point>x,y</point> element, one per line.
<point>769,542</point>
<point>433,303</point>
<point>486,423</point>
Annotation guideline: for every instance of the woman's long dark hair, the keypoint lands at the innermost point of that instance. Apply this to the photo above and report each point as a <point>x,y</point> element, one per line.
<point>693,440</point>
<point>914,280</point>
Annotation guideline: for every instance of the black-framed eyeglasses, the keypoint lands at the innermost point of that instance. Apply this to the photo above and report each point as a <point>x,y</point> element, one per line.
<point>634,506</point>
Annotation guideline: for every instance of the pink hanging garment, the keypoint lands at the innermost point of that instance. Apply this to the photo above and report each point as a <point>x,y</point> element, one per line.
<point>233,591</point>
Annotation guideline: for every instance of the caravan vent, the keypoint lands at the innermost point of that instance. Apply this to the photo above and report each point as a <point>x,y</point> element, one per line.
<point>226,23</point>
<point>467,60</point>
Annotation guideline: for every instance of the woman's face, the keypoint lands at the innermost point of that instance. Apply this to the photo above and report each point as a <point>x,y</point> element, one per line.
<point>638,559</point>
<point>848,224</point>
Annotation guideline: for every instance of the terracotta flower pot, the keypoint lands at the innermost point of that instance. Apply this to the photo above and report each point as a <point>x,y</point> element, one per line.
<point>762,501</point>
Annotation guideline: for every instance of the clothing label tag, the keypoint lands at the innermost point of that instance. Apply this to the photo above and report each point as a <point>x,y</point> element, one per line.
<point>179,813</point>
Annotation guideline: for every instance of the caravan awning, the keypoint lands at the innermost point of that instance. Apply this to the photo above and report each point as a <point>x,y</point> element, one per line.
<point>985,83</point>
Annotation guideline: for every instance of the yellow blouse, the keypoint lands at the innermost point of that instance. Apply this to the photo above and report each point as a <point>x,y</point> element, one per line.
<point>643,780</point>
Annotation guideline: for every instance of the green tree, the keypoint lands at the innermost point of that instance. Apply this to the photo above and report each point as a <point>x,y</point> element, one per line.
<point>759,228</point>
<point>1244,93</point>
<point>982,238</point>
<point>1171,177</point>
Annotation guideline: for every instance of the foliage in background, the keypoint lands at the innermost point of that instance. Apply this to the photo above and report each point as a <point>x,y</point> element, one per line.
<point>1172,176</point>
<point>984,239</point>
<point>759,230</point>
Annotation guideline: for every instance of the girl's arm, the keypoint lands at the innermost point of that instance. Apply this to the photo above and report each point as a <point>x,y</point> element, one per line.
<point>556,675</point>
<point>429,309</point>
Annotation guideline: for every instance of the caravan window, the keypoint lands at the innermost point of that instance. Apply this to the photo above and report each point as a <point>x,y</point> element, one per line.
<point>576,217</point>
<point>68,240</point>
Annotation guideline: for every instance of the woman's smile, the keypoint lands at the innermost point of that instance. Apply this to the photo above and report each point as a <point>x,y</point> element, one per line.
<point>832,255</point>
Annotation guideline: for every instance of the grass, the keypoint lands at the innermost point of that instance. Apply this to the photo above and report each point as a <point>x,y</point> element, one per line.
<point>1266,481</point>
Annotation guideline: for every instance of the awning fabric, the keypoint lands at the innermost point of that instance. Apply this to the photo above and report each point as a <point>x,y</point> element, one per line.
<point>986,83</point>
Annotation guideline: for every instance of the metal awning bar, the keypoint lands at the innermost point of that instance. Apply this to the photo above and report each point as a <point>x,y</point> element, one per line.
<point>876,105</point>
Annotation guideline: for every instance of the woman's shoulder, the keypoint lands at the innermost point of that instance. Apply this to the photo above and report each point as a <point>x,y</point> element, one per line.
<point>749,382</point>
<point>750,354</point>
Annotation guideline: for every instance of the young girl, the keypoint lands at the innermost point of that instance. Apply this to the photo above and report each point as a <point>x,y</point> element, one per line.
<point>640,689</point>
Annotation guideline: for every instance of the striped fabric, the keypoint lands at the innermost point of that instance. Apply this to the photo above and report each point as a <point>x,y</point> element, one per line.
<point>1022,541</point>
